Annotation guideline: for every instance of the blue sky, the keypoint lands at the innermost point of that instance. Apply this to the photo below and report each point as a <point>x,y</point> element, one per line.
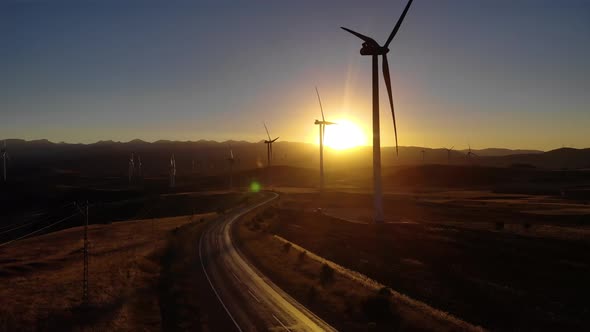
<point>488,73</point>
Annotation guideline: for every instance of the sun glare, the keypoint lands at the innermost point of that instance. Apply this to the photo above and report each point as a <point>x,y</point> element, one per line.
<point>344,134</point>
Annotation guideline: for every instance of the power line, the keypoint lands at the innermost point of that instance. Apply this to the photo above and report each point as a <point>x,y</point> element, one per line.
<point>37,231</point>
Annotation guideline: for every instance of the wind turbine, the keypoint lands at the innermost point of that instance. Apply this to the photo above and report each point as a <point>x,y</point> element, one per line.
<point>423,155</point>
<point>4,157</point>
<point>470,154</point>
<point>139,164</point>
<point>370,47</point>
<point>172,171</point>
<point>231,161</point>
<point>322,125</point>
<point>449,154</point>
<point>269,145</point>
<point>131,167</point>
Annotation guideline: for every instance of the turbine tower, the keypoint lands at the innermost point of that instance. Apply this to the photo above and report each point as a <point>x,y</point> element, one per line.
<point>131,167</point>
<point>231,160</point>
<point>172,171</point>
<point>322,125</point>
<point>4,157</point>
<point>139,164</point>
<point>449,154</point>
<point>423,155</point>
<point>370,47</point>
<point>269,145</point>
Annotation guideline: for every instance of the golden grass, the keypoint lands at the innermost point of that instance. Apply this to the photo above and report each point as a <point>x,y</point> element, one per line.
<point>41,278</point>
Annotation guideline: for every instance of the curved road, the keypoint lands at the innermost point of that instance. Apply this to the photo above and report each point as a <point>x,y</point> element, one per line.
<point>252,301</point>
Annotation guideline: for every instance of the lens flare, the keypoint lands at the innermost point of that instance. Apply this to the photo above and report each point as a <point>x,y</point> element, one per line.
<point>255,187</point>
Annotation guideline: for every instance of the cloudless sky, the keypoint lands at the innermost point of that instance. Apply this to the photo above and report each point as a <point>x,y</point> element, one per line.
<point>501,73</point>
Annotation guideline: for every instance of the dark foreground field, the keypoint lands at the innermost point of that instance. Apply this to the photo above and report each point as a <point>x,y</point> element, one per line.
<point>489,264</point>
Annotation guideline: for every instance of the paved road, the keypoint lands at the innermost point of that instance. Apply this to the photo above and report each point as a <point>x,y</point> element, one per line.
<point>252,301</point>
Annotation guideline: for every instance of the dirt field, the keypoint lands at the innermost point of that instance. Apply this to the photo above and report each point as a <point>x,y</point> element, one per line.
<point>41,277</point>
<point>343,302</point>
<point>505,273</point>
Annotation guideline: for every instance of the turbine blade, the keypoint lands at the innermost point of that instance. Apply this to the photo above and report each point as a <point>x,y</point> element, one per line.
<point>265,128</point>
<point>320,100</point>
<point>398,24</point>
<point>274,140</point>
<point>389,93</point>
<point>451,149</point>
<point>363,37</point>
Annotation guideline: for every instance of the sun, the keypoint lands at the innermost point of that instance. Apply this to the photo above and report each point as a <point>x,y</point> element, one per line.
<point>344,134</point>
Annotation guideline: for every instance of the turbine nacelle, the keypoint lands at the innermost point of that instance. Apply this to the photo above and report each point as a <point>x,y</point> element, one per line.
<point>319,122</point>
<point>373,49</point>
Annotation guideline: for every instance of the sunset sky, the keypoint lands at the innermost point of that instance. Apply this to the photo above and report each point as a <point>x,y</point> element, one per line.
<point>510,73</point>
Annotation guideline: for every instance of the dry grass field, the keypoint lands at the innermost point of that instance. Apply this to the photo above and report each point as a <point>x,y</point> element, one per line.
<point>345,303</point>
<point>41,277</point>
<point>482,258</point>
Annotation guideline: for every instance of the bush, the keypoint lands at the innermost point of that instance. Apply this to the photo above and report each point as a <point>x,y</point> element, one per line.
<point>326,274</point>
<point>286,246</point>
<point>499,225</point>
<point>379,308</point>
<point>526,226</point>
<point>312,293</point>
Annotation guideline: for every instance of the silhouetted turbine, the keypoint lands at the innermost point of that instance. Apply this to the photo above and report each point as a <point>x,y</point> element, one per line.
<point>269,145</point>
<point>231,161</point>
<point>131,167</point>
<point>370,47</point>
<point>322,125</point>
<point>470,154</point>
<point>172,171</point>
<point>449,154</point>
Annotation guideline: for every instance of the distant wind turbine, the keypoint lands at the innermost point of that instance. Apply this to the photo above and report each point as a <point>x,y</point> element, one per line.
<point>4,157</point>
<point>322,125</point>
<point>269,145</point>
<point>131,167</point>
<point>470,154</point>
<point>423,155</point>
<point>231,161</point>
<point>139,164</point>
<point>449,154</point>
<point>370,47</point>
<point>172,171</point>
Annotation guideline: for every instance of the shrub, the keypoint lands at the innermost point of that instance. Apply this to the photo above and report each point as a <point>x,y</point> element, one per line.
<point>379,308</point>
<point>286,246</point>
<point>499,225</point>
<point>326,274</point>
<point>312,293</point>
<point>526,226</point>
<point>302,255</point>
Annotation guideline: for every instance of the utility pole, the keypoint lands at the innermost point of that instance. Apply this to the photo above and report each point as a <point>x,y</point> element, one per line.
<point>84,212</point>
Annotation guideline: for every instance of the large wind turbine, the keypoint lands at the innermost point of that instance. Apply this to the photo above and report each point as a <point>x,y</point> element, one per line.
<point>4,157</point>
<point>269,145</point>
<point>322,125</point>
<point>372,48</point>
<point>172,171</point>
<point>231,161</point>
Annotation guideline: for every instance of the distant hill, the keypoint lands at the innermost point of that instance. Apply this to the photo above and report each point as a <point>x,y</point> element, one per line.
<point>111,158</point>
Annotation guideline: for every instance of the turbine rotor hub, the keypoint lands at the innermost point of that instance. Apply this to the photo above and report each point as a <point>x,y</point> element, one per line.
<point>373,49</point>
